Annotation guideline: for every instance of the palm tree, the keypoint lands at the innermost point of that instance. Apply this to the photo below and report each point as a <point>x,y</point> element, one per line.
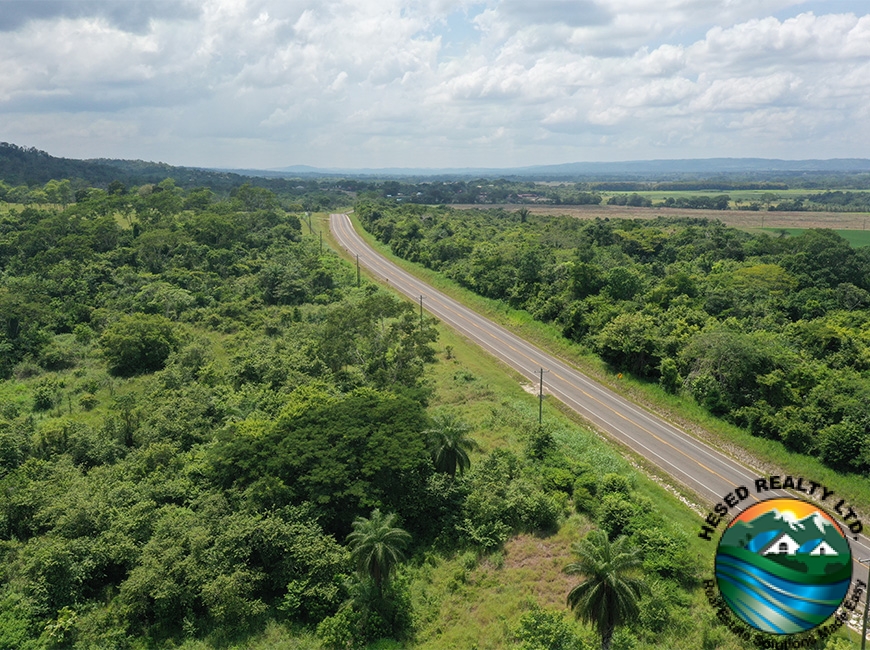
<point>449,444</point>
<point>376,546</point>
<point>609,594</point>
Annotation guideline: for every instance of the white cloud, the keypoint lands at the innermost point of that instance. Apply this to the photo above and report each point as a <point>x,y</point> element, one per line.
<point>343,82</point>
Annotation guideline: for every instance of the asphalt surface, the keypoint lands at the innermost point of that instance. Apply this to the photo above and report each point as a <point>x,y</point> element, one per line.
<point>707,472</point>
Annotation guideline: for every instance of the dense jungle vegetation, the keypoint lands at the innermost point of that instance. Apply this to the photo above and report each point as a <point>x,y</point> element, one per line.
<point>205,425</point>
<point>772,334</point>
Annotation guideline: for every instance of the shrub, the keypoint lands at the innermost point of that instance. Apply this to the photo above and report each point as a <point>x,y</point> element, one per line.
<point>615,514</point>
<point>138,343</point>
<point>45,394</point>
<point>542,629</point>
<point>57,357</point>
<point>616,484</point>
<point>88,401</point>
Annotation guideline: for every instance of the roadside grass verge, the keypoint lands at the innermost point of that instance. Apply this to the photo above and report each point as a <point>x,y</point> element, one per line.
<point>469,600</point>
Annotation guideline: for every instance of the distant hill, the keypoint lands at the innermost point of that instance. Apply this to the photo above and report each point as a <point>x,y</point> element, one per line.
<point>30,166</point>
<point>704,166</point>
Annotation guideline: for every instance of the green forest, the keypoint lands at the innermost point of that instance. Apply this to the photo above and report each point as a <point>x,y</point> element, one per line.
<point>213,436</point>
<point>769,333</point>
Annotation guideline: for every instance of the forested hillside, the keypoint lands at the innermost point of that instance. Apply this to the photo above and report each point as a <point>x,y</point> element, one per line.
<point>772,334</point>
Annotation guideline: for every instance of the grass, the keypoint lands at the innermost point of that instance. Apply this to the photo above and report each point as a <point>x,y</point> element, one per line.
<point>746,196</point>
<point>471,602</point>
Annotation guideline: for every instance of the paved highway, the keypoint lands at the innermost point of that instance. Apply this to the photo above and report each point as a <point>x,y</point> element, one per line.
<point>707,472</point>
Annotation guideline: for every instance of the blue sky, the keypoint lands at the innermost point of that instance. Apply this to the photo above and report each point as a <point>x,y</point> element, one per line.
<point>434,83</point>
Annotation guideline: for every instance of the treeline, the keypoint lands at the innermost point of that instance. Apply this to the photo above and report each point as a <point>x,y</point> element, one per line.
<point>831,201</point>
<point>771,334</point>
<point>198,405</point>
<point>310,196</point>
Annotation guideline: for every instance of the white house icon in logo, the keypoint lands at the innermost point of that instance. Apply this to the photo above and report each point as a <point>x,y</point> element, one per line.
<point>784,545</point>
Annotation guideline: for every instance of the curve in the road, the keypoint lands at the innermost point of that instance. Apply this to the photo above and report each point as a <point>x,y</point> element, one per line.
<point>707,472</point>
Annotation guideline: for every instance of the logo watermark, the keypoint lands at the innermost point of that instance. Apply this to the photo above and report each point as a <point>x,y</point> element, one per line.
<point>783,569</point>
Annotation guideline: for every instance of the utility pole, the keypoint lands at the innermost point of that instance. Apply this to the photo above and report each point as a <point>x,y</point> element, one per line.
<point>421,314</point>
<point>541,398</point>
<point>357,269</point>
<point>321,242</point>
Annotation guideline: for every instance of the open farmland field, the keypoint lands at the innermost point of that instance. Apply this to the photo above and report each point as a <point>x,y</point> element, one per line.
<point>737,218</point>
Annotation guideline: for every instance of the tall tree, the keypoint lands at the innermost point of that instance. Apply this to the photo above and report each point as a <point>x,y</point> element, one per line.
<point>449,444</point>
<point>610,591</point>
<point>376,546</point>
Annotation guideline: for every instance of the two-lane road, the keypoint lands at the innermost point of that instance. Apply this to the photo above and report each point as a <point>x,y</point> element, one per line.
<point>707,472</point>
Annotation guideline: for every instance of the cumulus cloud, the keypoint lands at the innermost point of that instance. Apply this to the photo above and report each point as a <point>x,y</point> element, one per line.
<point>362,82</point>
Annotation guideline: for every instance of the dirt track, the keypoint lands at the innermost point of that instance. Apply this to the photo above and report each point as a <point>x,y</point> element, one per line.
<point>736,218</point>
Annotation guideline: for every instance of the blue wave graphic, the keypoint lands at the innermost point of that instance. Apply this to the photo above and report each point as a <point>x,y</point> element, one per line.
<point>774,604</point>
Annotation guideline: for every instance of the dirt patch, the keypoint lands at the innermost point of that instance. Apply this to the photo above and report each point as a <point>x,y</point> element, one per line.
<point>735,218</point>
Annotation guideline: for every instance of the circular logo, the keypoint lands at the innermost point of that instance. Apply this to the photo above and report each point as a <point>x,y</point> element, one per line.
<point>783,566</point>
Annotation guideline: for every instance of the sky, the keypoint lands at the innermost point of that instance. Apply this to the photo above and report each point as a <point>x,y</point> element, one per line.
<point>435,83</point>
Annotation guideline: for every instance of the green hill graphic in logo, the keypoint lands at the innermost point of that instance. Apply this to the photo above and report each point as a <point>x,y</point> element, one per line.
<point>783,566</point>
